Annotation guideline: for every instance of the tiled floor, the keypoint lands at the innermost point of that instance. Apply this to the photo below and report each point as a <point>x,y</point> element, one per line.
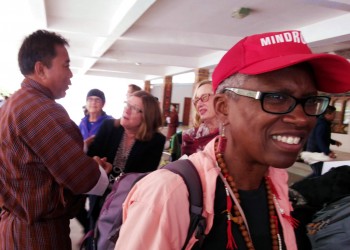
<point>300,170</point>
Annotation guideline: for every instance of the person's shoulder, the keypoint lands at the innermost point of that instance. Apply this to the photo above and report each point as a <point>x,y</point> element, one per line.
<point>189,131</point>
<point>110,122</point>
<point>84,119</point>
<point>56,107</point>
<point>160,182</point>
<point>104,116</point>
<point>34,103</point>
<point>321,122</point>
<point>111,126</point>
<point>321,119</point>
<point>159,136</point>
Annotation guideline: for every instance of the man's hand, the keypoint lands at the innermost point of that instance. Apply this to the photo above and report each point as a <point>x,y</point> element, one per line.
<point>332,155</point>
<point>338,143</point>
<point>103,163</point>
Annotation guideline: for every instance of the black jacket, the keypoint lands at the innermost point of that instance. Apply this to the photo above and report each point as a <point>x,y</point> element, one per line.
<point>144,155</point>
<point>320,138</point>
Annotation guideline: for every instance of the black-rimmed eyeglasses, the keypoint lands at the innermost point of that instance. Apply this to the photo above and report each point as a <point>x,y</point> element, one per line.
<point>281,103</point>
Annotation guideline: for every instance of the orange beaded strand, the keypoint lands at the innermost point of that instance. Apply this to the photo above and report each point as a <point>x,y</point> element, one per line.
<point>237,218</point>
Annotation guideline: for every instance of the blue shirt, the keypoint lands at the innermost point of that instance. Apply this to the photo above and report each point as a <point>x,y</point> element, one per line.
<point>87,129</point>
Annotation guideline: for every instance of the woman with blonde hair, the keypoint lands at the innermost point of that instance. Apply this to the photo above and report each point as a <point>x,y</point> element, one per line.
<point>205,125</point>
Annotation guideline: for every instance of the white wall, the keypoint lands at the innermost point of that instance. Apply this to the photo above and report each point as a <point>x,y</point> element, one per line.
<point>115,90</point>
<point>344,139</point>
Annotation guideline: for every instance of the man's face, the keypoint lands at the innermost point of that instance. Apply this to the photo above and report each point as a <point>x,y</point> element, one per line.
<point>57,77</point>
<point>270,139</point>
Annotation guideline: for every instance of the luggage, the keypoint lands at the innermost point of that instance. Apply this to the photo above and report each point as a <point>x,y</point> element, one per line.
<point>330,228</point>
<point>109,222</point>
<point>314,195</point>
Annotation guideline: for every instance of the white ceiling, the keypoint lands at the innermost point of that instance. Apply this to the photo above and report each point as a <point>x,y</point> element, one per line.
<point>150,39</point>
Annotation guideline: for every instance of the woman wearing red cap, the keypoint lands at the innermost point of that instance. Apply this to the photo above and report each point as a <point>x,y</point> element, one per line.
<point>267,103</point>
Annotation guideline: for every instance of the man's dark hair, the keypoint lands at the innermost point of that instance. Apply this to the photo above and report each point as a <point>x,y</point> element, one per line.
<point>38,46</point>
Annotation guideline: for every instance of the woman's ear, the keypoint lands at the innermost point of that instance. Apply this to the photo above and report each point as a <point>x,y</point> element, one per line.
<point>221,106</point>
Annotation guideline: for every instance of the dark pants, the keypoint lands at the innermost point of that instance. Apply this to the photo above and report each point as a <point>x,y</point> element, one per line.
<point>82,217</point>
<point>316,169</point>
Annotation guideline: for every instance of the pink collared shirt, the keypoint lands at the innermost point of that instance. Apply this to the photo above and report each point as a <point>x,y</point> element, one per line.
<point>156,210</point>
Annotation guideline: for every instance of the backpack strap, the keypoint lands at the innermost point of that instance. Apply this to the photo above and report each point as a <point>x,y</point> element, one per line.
<point>189,174</point>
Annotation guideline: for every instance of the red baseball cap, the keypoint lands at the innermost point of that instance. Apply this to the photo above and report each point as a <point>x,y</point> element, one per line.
<point>271,51</point>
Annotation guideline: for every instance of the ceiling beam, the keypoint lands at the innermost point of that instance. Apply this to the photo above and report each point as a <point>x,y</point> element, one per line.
<point>133,10</point>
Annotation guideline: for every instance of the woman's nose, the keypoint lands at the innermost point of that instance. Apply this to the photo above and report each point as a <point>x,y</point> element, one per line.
<point>297,116</point>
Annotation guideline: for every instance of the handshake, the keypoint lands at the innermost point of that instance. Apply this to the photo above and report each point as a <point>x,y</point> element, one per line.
<point>103,163</point>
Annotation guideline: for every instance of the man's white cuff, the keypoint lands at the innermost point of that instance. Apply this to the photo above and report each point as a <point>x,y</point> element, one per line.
<point>101,185</point>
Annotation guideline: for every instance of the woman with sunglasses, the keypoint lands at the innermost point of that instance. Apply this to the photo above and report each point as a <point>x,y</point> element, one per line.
<point>205,126</point>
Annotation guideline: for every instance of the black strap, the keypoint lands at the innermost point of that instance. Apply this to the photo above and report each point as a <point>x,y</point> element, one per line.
<point>189,174</point>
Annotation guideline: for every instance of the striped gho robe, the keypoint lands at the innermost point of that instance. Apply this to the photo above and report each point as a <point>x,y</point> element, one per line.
<point>42,168</point>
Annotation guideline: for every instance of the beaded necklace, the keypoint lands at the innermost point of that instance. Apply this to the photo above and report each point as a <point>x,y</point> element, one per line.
<point>238,218</point>
<point>121,157</point>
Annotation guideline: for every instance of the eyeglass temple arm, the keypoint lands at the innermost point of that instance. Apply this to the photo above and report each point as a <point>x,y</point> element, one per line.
<point>249,93</point>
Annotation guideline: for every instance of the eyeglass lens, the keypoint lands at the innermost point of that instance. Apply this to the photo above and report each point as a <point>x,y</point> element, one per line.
<point>203,98</point>
<point>133,108</point>
<point>94,99</point>
<point>279,103</point>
